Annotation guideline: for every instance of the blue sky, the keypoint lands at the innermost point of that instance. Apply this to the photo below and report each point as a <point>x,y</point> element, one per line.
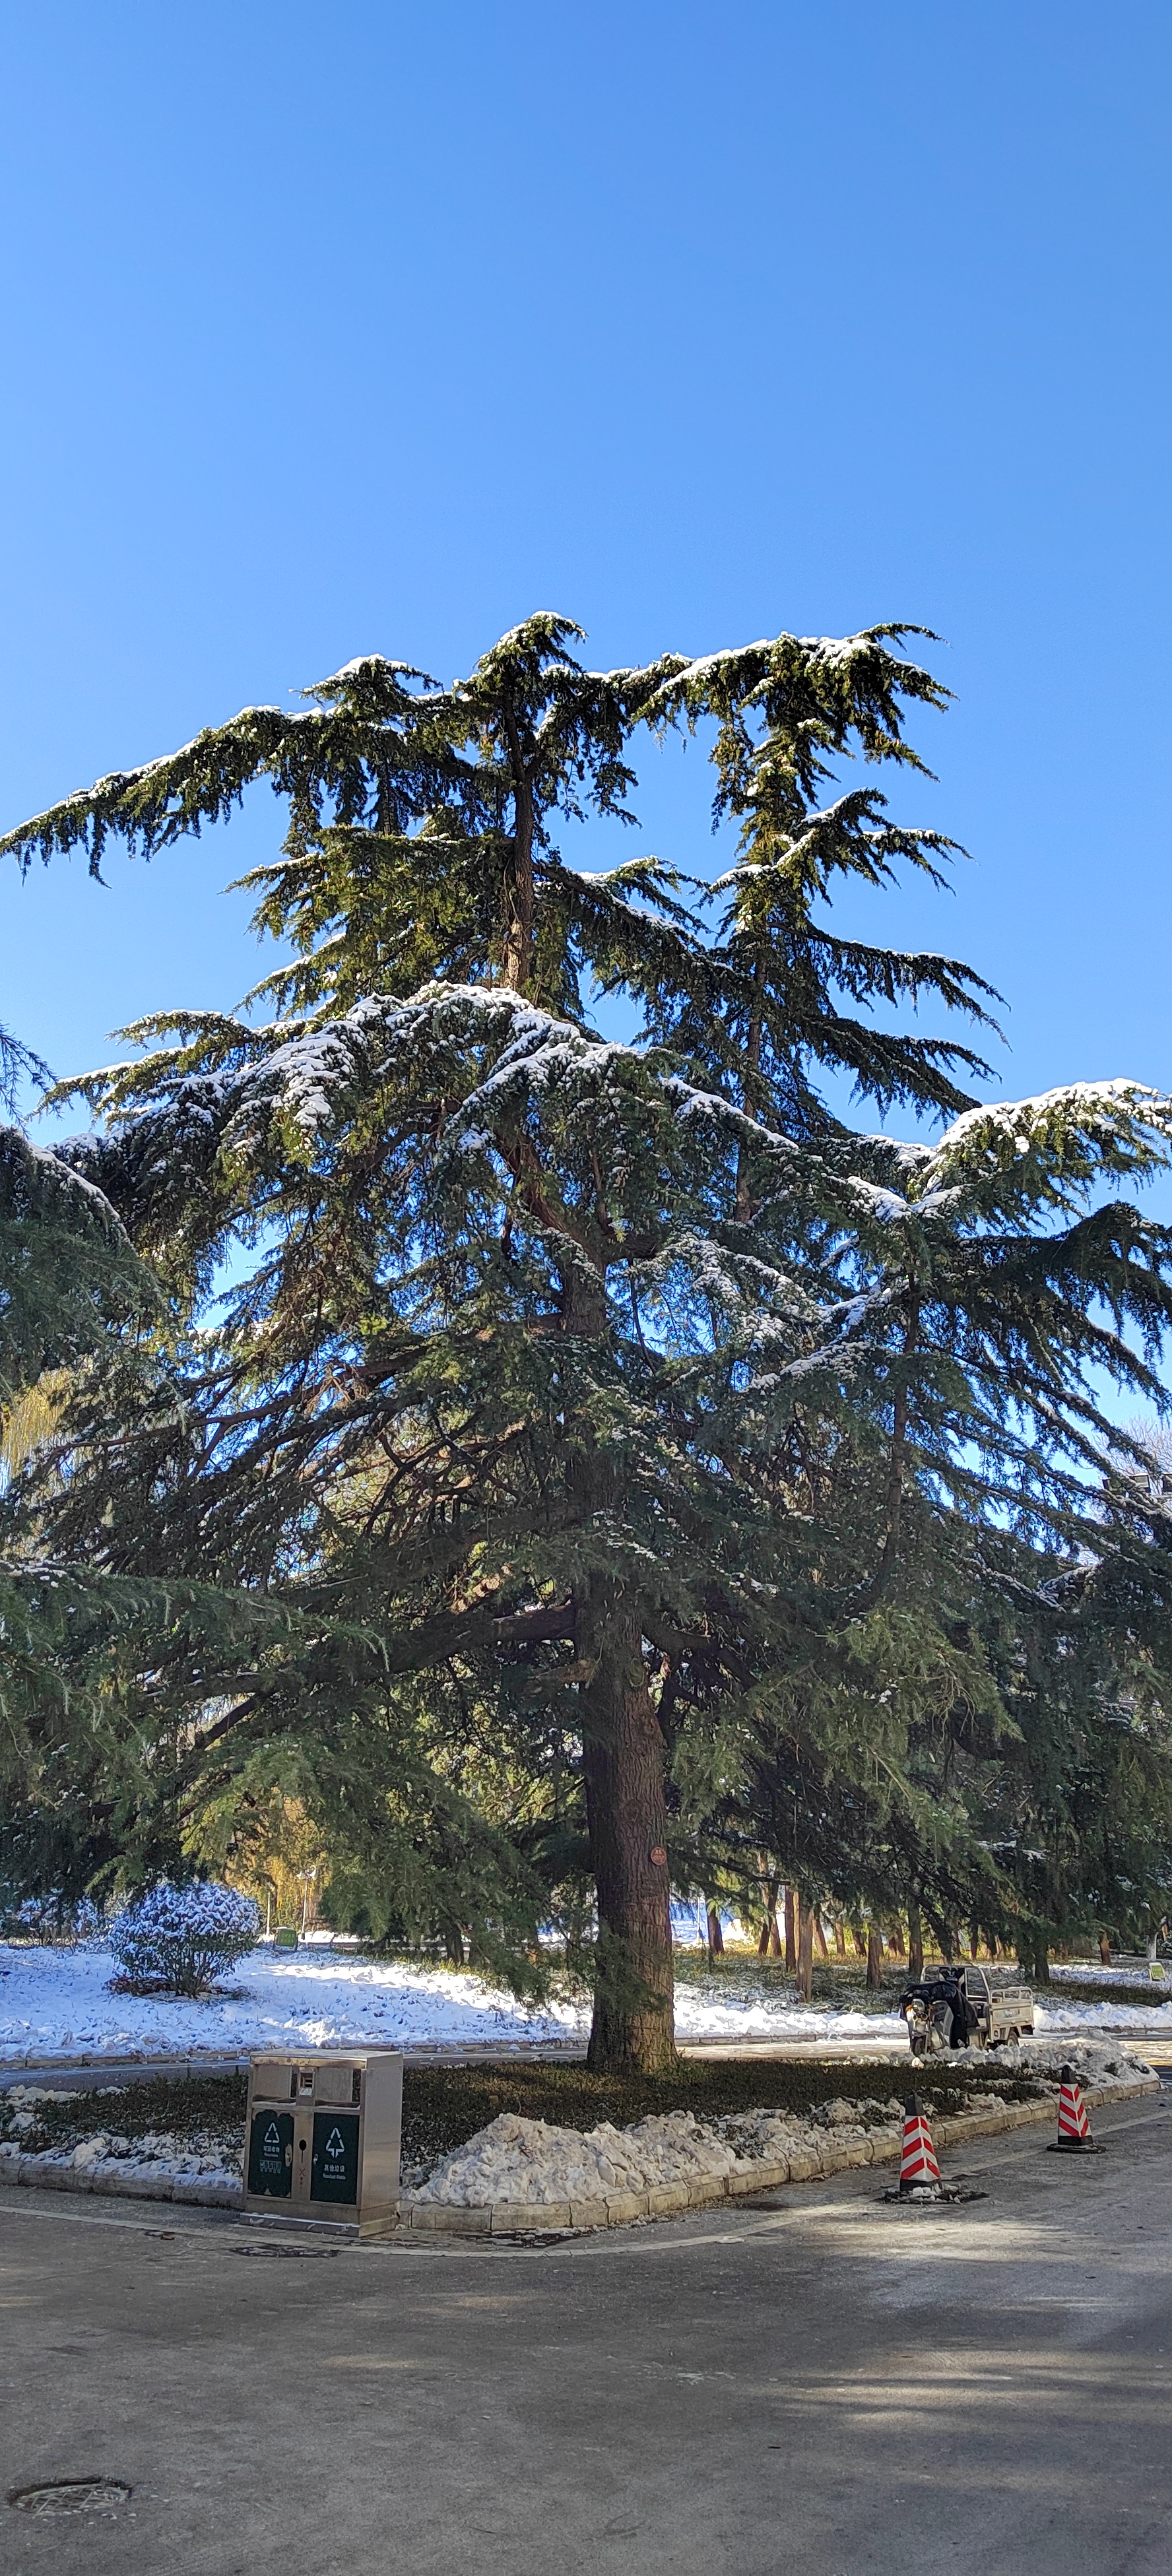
<point>375,328</point>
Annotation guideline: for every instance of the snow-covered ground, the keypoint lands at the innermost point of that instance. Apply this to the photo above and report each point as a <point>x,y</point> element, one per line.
<point>55,2002</point>
<point>1090,1972</point>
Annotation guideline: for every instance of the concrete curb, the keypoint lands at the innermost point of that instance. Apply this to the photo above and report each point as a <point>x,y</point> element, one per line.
<point>96,2074</point>
<point>531,2218</point>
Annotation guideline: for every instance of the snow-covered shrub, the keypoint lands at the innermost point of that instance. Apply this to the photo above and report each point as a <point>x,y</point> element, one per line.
<point>63,1920</point>
<point>178,1940</point>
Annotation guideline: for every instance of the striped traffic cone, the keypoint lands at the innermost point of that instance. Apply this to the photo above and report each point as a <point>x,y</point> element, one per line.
<point>1074,2129</point>
<point>918,2169</point>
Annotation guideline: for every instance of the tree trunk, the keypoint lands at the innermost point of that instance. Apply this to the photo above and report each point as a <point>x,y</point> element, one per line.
<point>791,1934</point>
<point>633,2029</point>
<point>839,1937</point>
<point>915,1945</point>
<point>715,1935</point>
<point>1105,1949</point>
<point>819,1935</point>
<point>749,1101</point>
<point>806,1953</point>
<point>895,1940</point>
<point>895,1472</point>
<point>769,1944</point>
<point>874,1960</point>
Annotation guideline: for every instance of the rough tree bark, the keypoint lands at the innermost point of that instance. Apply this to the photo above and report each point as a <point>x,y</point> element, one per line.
<point>915,1945</point>
<point>633,2030</point>
<point>806,1952</point>
<point>874,1959</point>
<point>791,1931</point>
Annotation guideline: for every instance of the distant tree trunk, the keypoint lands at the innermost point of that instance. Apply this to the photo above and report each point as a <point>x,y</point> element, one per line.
<point>633,2029</point>
<point>769,1942</point>
<point>791,1935</point>
<point>874,1960</point>
<point>839,1937</point>
<point>1105,1948</point>
<point>454,1945</point>
<point>715,1935</point>
<point>974,1939</point>
<point>820,1936</point>
<point>806,1953</point>
<point>895,1939</point>
<point>915,1945</point>
<point>949,1943</point>
<point>859,1938</point>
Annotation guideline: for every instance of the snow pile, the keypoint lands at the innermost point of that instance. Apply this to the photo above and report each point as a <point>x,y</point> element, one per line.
<point>532,2163</point>
<point>1095,2063</point>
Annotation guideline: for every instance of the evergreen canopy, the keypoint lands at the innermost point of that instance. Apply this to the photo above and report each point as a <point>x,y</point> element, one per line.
<point>615,1397</point>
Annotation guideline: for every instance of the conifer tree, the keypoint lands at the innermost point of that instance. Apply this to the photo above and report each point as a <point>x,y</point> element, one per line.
<point>537,1324</point>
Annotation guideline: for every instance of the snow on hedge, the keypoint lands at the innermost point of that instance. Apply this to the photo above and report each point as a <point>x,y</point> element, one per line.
<point>181,1939</point>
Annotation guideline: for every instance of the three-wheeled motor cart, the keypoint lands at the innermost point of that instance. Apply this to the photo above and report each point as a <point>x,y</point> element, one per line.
<point>959,2007</point>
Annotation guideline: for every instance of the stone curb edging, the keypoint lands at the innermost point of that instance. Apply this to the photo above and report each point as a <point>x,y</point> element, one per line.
<point>115,2074</point>
<point>536,2218</point>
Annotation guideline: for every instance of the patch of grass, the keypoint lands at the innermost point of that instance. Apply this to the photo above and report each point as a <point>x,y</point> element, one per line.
<point>202,2102</point>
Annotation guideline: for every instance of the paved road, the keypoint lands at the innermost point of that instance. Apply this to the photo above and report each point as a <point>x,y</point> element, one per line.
<point>819,2386</point>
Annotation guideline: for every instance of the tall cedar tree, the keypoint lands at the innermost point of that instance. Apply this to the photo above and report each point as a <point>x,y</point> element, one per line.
<point>532,1315</point>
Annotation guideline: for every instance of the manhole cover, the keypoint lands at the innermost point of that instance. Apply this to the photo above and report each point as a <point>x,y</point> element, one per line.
<point>312,2253</point>
<point>71,2495</point>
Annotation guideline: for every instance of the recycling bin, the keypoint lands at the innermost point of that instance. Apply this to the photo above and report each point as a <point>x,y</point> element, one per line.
<point>322,2135</point>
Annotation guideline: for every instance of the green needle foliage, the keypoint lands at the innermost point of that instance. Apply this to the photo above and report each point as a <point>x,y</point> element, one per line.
<point>608,1422</point>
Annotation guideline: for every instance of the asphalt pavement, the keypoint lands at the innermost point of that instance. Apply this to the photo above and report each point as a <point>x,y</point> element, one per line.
<point>817,2385</point>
